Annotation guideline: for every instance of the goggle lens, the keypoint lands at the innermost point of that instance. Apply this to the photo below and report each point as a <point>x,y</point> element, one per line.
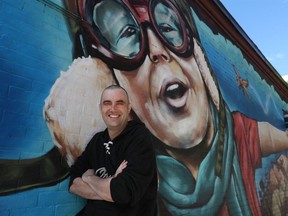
<point>116,28</point>
<point>167,23</point>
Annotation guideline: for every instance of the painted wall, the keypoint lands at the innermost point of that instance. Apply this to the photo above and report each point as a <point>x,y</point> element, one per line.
<point>181,86</point>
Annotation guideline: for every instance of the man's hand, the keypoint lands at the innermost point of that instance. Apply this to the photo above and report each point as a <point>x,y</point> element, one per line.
<point>122,166</point>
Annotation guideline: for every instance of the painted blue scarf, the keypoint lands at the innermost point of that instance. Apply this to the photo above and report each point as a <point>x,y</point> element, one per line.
<point>182,195</point>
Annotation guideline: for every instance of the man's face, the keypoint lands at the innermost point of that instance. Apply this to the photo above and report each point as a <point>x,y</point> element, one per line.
<point>115,108</point>
<point>168,94</point>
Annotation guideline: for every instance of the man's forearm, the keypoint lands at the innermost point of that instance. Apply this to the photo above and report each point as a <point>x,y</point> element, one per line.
<point>100,185</point>
<point>83,189</point>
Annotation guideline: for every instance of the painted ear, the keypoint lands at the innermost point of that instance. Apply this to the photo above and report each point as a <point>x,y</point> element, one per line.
<point>71,110</point>
<point>206,73</point>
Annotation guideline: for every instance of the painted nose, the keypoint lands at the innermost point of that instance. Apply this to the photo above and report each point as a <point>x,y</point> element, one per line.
<point>157,51</point>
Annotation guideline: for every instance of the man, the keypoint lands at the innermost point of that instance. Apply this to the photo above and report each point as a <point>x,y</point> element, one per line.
<point>125,144</point>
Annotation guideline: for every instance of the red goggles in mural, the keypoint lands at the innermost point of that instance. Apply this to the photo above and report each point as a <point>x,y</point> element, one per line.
<point>115,30</point>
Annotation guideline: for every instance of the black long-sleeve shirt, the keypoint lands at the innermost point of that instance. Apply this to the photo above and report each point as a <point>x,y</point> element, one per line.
<point>134,191</point>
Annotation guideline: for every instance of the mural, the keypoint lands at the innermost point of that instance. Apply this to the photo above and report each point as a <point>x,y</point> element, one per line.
<point>218,126</point>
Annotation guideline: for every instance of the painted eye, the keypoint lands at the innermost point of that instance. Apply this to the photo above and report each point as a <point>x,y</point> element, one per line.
<point>127,32</point>
<point>168,24</point>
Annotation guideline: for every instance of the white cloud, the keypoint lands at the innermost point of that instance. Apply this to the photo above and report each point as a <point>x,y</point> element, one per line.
<point>276,56</point>
<point>279,55</point>
<point>285,77</point>
<point>270,59</point>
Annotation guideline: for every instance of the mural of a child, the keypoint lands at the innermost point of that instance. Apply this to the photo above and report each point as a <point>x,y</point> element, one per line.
<point>206,154</point>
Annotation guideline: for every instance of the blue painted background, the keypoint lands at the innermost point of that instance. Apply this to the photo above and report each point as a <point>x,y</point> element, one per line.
<point>34,48</point>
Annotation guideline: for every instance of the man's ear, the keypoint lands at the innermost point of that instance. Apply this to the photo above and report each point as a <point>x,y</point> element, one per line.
<point>131,113</point>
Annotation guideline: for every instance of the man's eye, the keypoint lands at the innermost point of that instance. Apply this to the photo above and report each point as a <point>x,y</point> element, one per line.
<point>106,103</point>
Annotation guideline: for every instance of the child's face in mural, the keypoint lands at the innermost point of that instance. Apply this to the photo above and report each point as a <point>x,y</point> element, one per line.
<point>167,91</point>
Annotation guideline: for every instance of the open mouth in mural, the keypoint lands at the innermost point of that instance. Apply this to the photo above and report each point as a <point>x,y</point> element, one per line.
<point>175,94</point>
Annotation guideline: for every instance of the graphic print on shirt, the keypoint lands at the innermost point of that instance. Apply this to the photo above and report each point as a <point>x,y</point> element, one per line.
<point>107,147</point>
<point>102,173</point>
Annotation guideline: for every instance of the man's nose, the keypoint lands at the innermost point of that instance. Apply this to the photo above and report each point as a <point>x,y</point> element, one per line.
<point>112,107</point>
<point>157,51</point>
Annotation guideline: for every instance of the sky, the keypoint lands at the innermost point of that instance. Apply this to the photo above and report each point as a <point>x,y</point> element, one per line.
<point>266,24</point>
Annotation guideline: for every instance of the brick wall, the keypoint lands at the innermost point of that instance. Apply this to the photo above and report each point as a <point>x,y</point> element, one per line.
<point>35,47</point>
